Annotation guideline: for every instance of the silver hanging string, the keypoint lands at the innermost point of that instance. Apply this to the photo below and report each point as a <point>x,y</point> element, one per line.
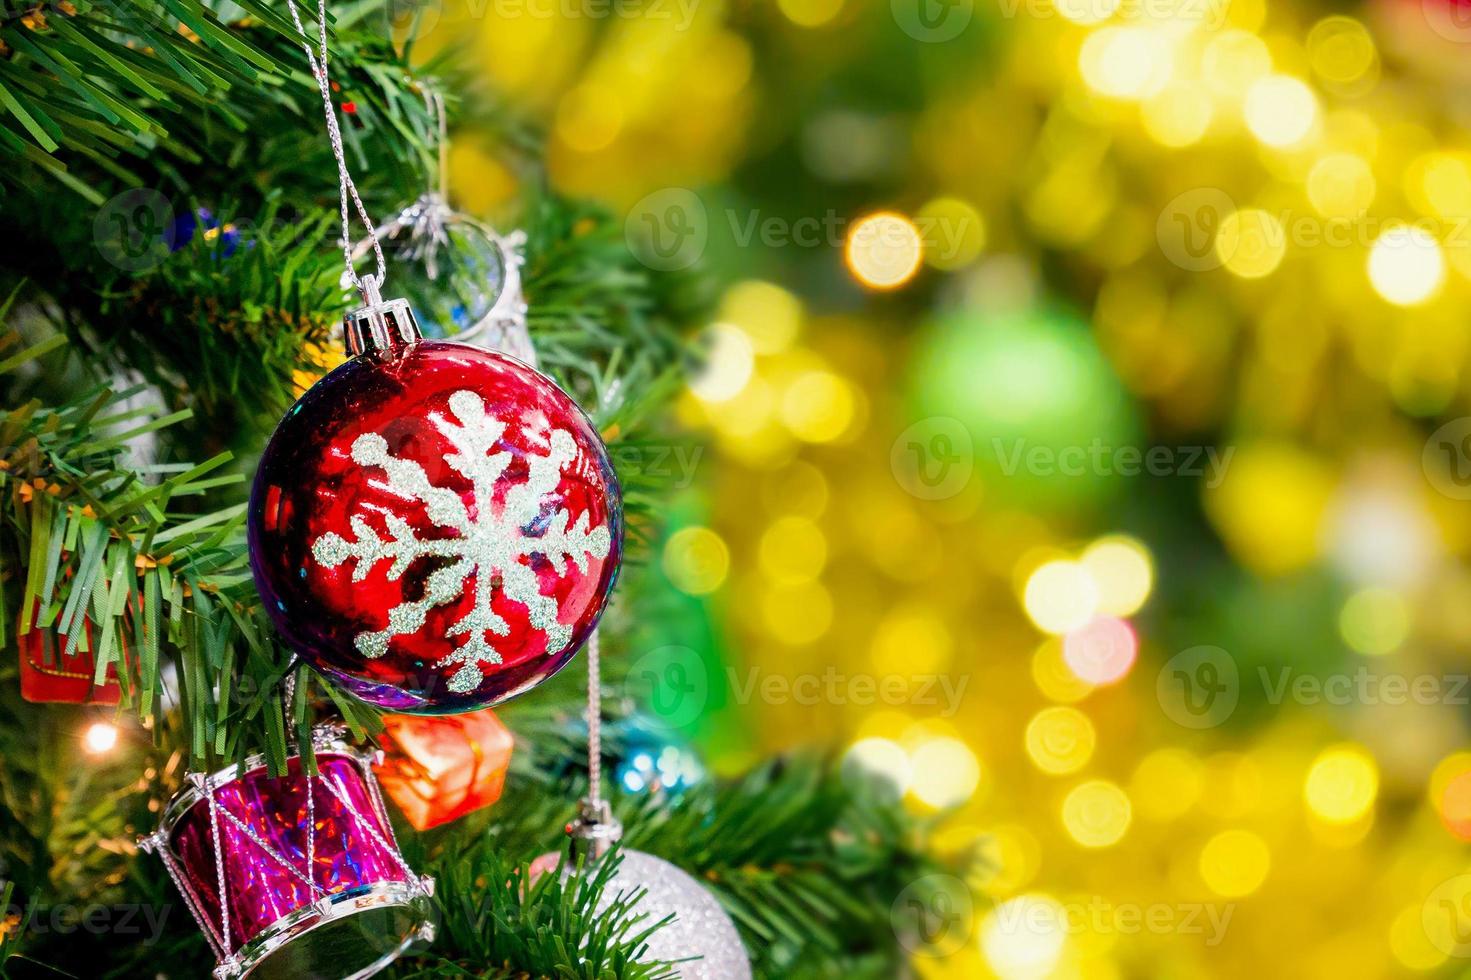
<point>594,723</point>
<point>370,285</point>
<point>594,830</point>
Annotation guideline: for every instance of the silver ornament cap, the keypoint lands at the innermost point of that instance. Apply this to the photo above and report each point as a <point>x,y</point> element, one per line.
<point>594,831</point>
<point>379,324</point>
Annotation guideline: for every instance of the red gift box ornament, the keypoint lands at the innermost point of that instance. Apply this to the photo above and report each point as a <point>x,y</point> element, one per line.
<point>51,673</point>
<point>439,768</point>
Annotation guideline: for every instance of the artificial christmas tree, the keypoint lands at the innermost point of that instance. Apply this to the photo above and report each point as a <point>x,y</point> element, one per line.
<point>127,122</point>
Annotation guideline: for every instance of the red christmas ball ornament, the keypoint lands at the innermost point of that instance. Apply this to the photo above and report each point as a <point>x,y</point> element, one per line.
<point>435,527</point>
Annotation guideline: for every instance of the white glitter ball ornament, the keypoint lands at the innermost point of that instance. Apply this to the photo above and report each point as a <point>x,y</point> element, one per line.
<point>700,934</point>
<point>700,926</point>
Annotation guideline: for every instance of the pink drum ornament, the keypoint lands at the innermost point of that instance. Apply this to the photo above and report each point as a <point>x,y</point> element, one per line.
<point>296,876</point>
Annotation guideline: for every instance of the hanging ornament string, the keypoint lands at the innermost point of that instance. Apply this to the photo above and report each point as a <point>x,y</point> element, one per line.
<point>371,285</point>
<point>594,725</point>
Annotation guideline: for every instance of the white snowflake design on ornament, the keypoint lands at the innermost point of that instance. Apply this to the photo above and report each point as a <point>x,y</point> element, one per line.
<point>488,544</point>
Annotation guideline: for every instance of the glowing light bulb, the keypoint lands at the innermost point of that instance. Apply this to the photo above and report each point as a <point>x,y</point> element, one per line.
<point>100,738</point>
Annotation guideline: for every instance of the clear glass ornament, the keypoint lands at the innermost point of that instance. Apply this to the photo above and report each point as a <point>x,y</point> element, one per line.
<point>462,279</point>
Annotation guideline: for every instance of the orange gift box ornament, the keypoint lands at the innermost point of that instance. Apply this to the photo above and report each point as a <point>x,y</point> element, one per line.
<point>439,768</point>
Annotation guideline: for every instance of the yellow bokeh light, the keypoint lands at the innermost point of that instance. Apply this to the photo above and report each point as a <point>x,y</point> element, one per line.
<point>1060,740</point>
<point>793,549</point>
<point>1166,784</point>
<point>728,365</point>
<point>1234,863</point>
<point>879,759</point>
<point>1340,49</point>
<point>1023,938</point>
<point>818,406</point>
<point>696,560</point>
<point>1179,115</point>
<point>1271,504</point>
<point>1410,943</point>
<point>1374,621</point>
<point>1453,769</point>
<point>945,772</point>
<point>1086,11</point>
<point>810,13</point>
<point>1341,784</point>
<point>1123,572</point>
<point>1102,652</point>
<point>1441,183</point>
<point>1251,243</point>
<point>1061,596</point>
<point>1096,813</point>
<point>911,639</point>
<point>1126,62</point>
<point>1233,61</point>
<point>953,231</point>
<point>769,316</point>
<point>1054,678</point>
<point>1280,110</point>
<point>1341,185</point>
<point>589,118</point>
<point>1013,854</point>
<point>884,250</point>
<point>797,614</point>
<point>1406,266</point>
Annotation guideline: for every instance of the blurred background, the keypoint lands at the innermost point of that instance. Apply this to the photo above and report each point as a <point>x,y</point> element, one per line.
<point>1084,448</point>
